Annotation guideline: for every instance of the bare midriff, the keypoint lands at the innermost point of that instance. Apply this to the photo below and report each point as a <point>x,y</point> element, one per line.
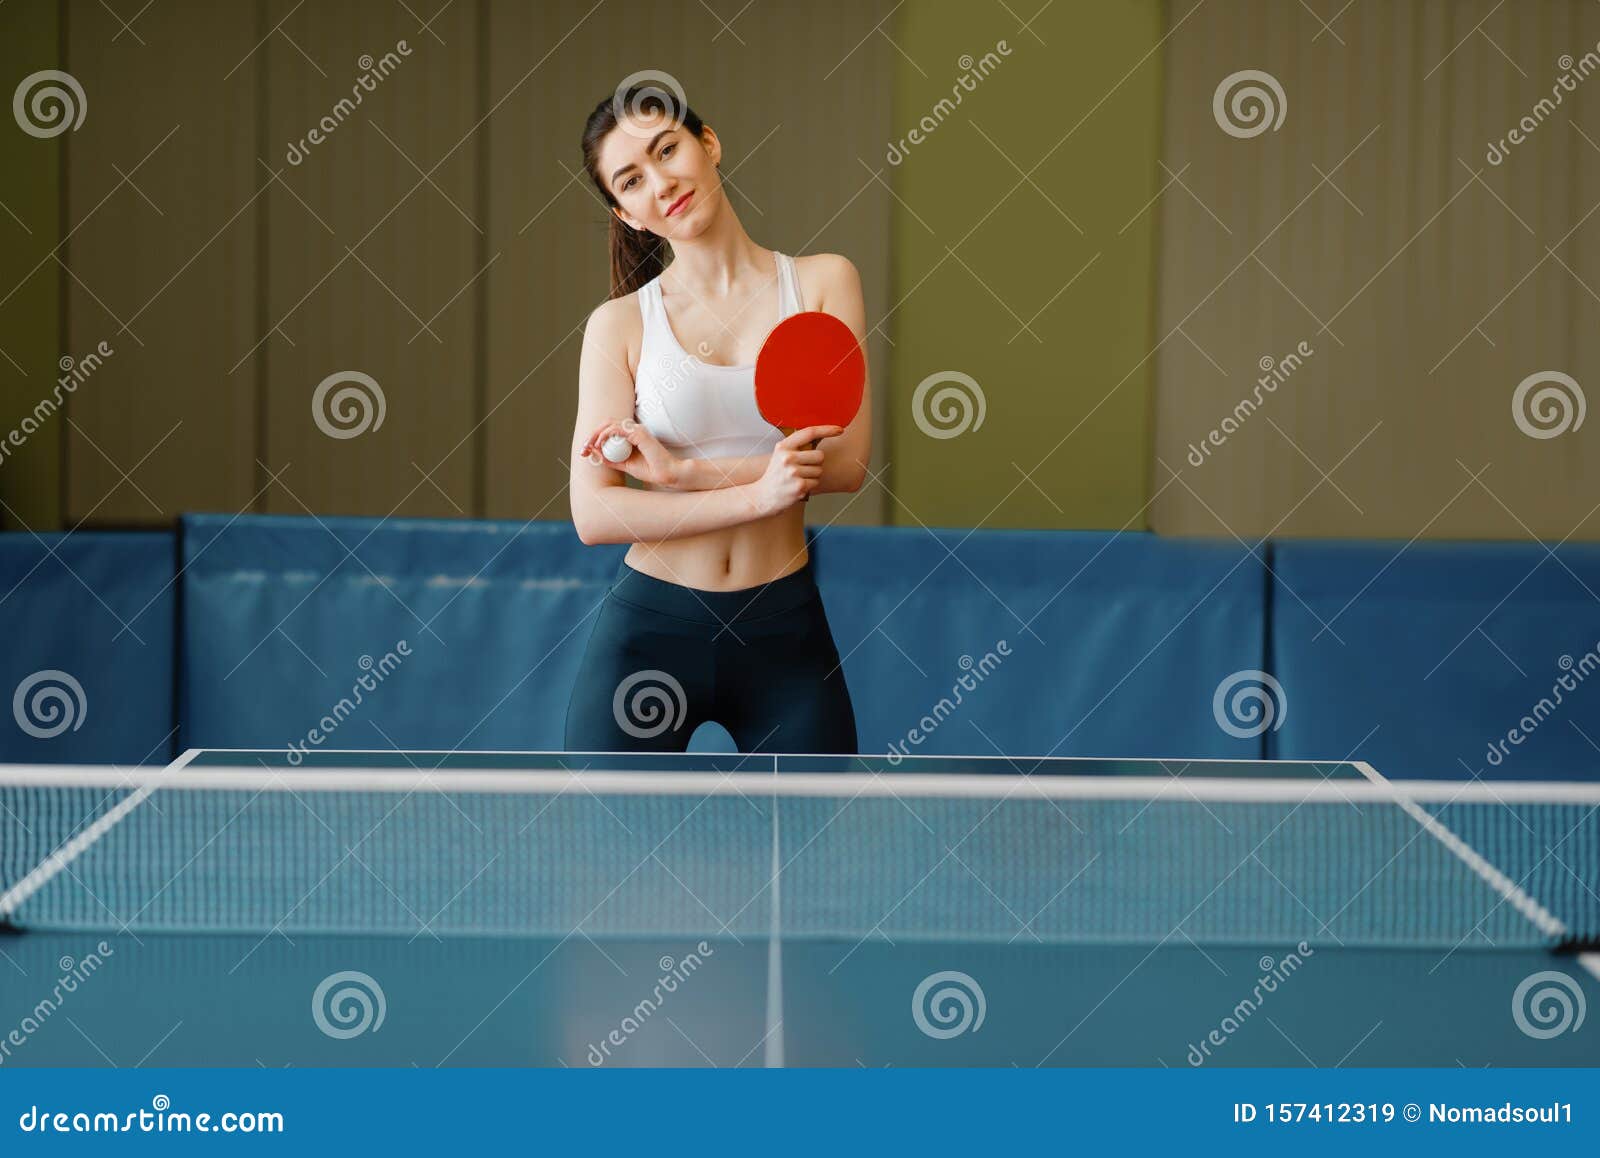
<point>730,558</point>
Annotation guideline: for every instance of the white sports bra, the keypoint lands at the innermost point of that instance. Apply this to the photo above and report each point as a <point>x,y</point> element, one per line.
<point>696,408</point>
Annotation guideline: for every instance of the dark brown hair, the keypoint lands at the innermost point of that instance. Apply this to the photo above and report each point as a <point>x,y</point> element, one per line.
<point>637,255</point>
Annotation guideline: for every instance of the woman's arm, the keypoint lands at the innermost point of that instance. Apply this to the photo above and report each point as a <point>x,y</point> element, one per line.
<point>615,513</point>
<point>604,508</point>
<point>707,474</point>
<point>845,458</point>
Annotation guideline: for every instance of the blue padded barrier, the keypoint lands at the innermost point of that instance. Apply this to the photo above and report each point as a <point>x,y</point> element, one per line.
<point>278,613</point>
<point>1425,660</point>
<point>286,619</point>
<point>1117,642</point>
<point>87,623</point>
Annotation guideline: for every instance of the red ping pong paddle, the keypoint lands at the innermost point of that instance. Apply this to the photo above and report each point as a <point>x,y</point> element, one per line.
<point>810,372</point>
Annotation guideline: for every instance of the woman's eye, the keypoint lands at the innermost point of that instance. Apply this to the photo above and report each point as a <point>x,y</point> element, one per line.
<point>666,152</point>
<point>628,184</point>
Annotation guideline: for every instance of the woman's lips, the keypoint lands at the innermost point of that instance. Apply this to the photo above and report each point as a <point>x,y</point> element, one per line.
<point>677,206</point>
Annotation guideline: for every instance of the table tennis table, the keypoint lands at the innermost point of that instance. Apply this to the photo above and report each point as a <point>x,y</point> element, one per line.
<point>245,907</point>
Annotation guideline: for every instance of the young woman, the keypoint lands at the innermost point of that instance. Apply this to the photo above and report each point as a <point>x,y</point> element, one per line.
<point>715,614</point>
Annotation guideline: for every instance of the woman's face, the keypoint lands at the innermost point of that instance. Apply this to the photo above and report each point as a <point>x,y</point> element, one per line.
<point>662,177</point>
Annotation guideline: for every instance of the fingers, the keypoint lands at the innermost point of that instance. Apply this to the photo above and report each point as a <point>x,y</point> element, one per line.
<point>591,448</point>
<point>812,457</point>
<point>806,435</point>
<point>592,452</point>
<point>609,427</point>
<point>809,434</point>
<point>590,442</point>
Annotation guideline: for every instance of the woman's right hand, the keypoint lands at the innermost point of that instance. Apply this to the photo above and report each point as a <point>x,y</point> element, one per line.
<point>794,469</point>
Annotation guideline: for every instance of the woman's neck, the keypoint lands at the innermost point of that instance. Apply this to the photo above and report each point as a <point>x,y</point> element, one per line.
<point>719,260</point>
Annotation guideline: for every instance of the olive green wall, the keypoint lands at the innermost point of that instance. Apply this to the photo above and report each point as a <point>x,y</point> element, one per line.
<point>30,281</point>
<point>986,250</point>
<point>1022,257</point>
<point>1049,222</point>
<point>442,243</point>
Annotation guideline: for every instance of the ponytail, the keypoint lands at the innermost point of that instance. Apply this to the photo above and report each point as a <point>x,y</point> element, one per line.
<point>637,256</point>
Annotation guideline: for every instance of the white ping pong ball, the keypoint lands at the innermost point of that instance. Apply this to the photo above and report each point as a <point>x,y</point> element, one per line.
<point>617,449</point>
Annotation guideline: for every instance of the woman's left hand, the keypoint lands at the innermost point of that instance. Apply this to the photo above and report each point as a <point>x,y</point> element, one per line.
<point>650,462</point>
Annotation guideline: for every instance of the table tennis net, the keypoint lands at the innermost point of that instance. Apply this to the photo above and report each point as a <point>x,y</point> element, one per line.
<point>847,860</point>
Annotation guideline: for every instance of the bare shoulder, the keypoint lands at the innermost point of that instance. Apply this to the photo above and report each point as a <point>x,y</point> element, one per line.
<point>612,317</point>
<point>827,279</point>
<point>616,327</point>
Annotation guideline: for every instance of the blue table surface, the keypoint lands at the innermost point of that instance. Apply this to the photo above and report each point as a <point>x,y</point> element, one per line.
<point>231,1000</point>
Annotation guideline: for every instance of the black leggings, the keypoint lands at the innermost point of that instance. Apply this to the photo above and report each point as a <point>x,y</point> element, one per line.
<point>664,658</point>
